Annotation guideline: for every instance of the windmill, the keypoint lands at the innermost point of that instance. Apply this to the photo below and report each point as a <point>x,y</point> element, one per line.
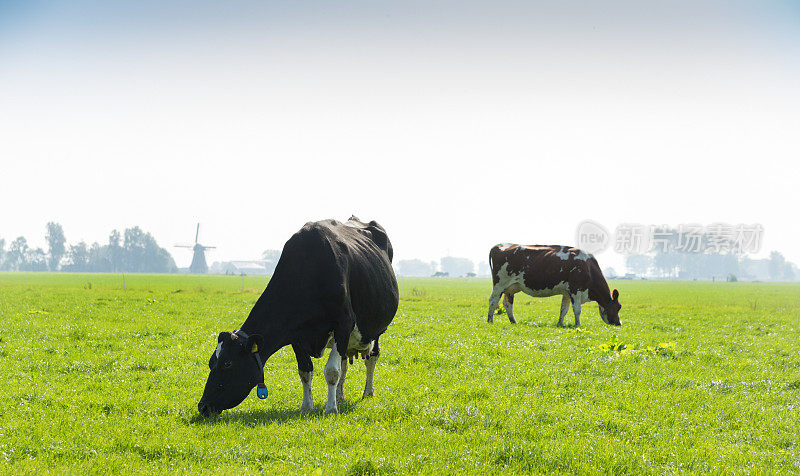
<point>198,265</point>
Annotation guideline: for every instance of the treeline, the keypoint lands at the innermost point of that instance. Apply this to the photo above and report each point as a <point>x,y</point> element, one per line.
<point>133,251</point>
<point>447,266</point>
<point>706,256</point>
<point>672,264</point>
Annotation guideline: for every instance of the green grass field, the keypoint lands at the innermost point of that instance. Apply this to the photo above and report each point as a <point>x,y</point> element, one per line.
<point>701,377</point>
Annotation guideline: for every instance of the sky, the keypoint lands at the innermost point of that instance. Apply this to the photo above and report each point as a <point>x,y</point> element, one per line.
<point>455,124</point>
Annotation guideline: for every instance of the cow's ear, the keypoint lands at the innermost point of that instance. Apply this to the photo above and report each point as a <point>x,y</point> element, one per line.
<point>253,342</point>
<point>615,295</point>
<point>222,336</point>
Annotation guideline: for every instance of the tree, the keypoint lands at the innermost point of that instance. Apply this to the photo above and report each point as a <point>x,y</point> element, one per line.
<point>35,260</point>
<point>143,255</point>
<point>777,265</point>
<point>414,267</point>
<point>115,252</point>
<point>17,253</point>
<point>134,248</point>
<point>55,245</point>
<point>78,257</point>
<point>788,272</point>
<point>668,263</point>
<point>2,253</point>
<point>98,259</point>
<point>457,266</point>
<point>745,266</point>
<point>638,264</point>
<point>271,255</point>
<point>271,258</point>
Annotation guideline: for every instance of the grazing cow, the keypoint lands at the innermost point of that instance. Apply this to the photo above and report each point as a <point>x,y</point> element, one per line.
<point>333,287</point>
<point>543,271</point>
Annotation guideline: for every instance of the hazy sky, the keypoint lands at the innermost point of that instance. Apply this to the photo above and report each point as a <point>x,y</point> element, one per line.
<point>455,124</point>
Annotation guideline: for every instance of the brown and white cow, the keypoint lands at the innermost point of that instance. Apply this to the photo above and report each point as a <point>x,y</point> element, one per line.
<point>543,271</point>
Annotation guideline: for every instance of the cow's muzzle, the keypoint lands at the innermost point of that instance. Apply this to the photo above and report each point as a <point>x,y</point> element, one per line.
<point>205,409</point>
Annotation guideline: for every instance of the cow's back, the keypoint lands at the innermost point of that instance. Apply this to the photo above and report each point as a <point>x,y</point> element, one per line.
<point>371,286</point>
<point>539,267</point>
<point>329,267</point>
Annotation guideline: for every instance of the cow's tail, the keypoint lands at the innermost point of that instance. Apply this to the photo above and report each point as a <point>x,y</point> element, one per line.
<point>495,249</point>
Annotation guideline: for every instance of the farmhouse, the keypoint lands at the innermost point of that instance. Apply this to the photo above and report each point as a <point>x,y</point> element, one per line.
<point>248,268</point>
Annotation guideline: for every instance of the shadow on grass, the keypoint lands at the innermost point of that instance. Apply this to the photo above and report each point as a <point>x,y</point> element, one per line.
<point>565,326</point>
<point>545,323</point>
<point>542,322</point>
<point>260,417</point>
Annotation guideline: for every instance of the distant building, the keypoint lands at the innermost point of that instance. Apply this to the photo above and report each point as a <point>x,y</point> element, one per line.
<point>248,268</point>
<point>454,266</point>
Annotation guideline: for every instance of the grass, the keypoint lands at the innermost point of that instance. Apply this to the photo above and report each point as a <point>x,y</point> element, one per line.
<point>701,377</point>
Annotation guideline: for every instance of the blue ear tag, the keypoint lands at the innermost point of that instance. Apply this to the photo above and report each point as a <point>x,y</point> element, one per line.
<point>262,391</point>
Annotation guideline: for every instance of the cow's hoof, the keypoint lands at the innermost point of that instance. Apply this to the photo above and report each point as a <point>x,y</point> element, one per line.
<point>339,398</point>
<point>490,320</point>
<point>306,408</point>
<point>368,394</point>
<point>334,410</point>
<point>513,321</point>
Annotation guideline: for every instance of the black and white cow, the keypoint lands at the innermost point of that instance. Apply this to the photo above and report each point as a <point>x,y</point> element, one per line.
<point>550,270</point>
<point>333,287</point>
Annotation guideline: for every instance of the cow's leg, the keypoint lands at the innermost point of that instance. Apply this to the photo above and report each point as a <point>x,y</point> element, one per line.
<point>508,302</point>
<point>576,309</point>
<point>494,300</point>
<point>308,400</point>
<point>564,308</point>
<point>333,371</point>
<point>336,366</point>
<point>306,370</point>
<point>371,362</point>
<point>340,387</point>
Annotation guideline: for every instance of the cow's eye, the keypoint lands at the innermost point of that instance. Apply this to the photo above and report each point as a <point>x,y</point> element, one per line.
<point>228,364</point>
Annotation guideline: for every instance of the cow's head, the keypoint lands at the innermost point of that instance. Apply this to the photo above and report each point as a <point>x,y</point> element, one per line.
<point>610,313</point>
<point>235,369</point>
